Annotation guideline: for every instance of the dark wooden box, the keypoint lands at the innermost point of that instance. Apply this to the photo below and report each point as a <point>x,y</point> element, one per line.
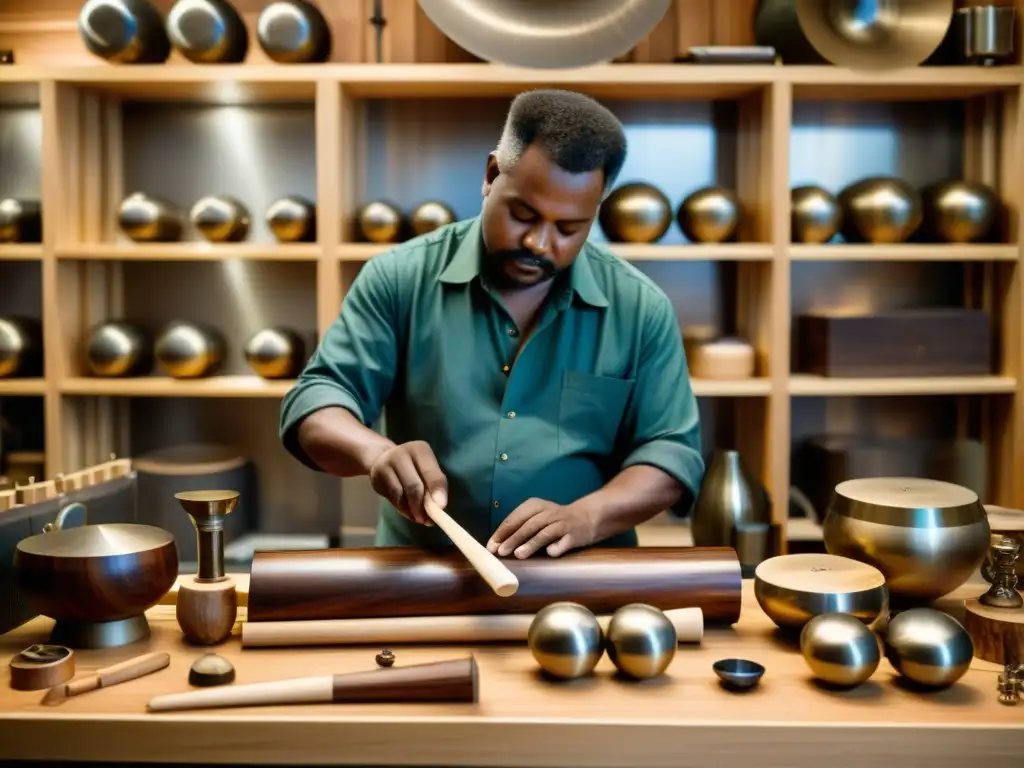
<point>915,342</point>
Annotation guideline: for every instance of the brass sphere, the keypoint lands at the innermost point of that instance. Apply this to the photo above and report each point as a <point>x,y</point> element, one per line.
<point>21,221</point>
<point>116,348</point>
<point>380,222</point>
<point>840,649</point>
<point>641,641</point>
<point>959,211</point>
<point>635,213</point>
<point>429,216</point>
<point>709,215</point>
<point>928,647</point>
<point>187,351</point>
<point>292,219</point>
<point>879,210</point>
<point>815,214</point>
<point>20,347</point>
<point>566,640</point>
<point>147,219</point>
<point>276,353</point>
<point>220,219</point>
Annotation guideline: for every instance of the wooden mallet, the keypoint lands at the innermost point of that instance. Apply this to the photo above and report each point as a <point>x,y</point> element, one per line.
<point>490,568</point>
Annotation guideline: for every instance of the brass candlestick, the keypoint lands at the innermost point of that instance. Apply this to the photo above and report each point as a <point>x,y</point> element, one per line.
<point>1003,592</point>
<point>208,605</point>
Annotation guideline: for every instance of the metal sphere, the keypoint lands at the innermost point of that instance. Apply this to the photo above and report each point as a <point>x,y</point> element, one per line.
<point>429,216</point>
<point>20,347</point>
<point>709,215</point>
<point>380,222</point>
<point>815,215</point>
<point>220,219</point>
<point>566,640</point>
<point>147,219</point>
<point>840,649</point>
<point>275,353</point>
<point>641,641</point>
<point>959,211</point>
<point>292,219</point>
<point>186,351</point>
<point>880,210</point>
<point>635,213</point>
<point>928,647</point>
<point>115,349</point>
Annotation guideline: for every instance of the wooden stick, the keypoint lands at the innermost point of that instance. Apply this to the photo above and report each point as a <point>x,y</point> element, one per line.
<point>443,681</point>
<point>492,628</point>
<point>490,568</point>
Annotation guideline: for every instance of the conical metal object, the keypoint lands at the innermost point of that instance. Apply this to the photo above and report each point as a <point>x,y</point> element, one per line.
<point>208,510</point>
<point>729,496</point>
<point>546,34</point>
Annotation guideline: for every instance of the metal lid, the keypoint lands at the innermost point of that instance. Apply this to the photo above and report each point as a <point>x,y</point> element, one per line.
<point>106,540</point>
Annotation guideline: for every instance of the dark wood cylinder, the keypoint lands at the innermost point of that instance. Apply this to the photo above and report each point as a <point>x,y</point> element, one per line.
<point>404,581</point>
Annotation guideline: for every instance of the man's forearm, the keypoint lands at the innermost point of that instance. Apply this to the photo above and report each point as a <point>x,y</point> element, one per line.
<point>633,496</point>
<point>339,444</point>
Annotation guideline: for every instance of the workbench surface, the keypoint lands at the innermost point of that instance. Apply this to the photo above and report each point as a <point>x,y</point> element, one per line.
<point>683,719</point>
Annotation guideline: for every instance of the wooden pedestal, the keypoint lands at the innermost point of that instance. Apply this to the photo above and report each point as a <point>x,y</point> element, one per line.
<point>206,612</point>
<point>994,631</point>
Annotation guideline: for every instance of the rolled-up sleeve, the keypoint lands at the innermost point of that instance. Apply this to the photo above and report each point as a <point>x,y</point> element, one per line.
<point>662,421</point>
<point>354,365</point>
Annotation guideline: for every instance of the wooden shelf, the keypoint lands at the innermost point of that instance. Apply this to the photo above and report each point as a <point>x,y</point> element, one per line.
<point>739,388</point>
<point>811,386</point>
<point>907,252</point>
<point>159,386</point>
<point>19,387</point>
<point>629,252</point>
<point>21,252</point>
<point>189,252</point>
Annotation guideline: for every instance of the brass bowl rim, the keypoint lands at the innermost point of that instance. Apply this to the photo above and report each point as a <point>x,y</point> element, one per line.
<point>760,580</point>
<point>957,516</point>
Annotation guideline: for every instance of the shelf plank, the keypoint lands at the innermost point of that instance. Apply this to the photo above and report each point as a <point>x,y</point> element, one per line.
<point>737,388</point>
<point>810,386</point>
<point>22,387</point>
<point>903,252</point>
<point>629,252</point>
<point>21,252</point>
<point>189,251</point>
<point>159,386</point>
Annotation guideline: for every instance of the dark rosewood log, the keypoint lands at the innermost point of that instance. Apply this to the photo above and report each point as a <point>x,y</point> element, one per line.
<point>405,581</point>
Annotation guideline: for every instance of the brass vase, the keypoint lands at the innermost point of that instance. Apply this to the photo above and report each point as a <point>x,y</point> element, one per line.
<point>729,497</point>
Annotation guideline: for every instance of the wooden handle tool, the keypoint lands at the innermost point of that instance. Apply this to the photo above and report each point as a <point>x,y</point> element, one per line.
<point>491,569</point>
<point>442,681</point>
<point>108,676</point>
<point>495,628</point>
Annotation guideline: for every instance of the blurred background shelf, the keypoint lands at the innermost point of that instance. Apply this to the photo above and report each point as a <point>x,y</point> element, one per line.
<point>19,387</point>
<point>19,252</point>
<point>821,386</point>
<point>160,386</point>
<point>189,252</point>
<point>904,252</point>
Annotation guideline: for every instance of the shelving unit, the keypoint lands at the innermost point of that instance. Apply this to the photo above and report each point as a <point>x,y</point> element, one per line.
<point>83,260</point>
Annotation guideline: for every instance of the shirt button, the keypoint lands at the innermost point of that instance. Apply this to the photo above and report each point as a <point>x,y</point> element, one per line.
<point>513,332</point>
<point>496,504</point>
<point>504,457</point>
<point>511,414</point>
<point>505,369</point>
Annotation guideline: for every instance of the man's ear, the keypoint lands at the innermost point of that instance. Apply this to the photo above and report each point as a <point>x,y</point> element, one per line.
<point>491,173</point>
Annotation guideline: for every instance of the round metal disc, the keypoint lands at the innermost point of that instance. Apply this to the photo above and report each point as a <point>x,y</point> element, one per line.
<point>546,34</point>
<point>906,493</point>
<point>96,541</point>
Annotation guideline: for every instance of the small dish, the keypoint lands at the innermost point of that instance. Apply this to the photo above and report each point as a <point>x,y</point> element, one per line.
<point>738,674</point>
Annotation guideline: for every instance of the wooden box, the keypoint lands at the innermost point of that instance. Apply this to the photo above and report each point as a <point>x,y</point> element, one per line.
<point>916,342</point>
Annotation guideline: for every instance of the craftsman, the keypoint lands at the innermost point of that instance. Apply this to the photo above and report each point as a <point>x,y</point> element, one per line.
<point>530,381</point>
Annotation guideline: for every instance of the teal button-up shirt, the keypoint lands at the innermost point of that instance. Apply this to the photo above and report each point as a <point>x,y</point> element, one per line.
<point>600,385</point>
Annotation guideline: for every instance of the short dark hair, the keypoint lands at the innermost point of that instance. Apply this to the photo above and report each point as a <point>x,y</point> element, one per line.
<point>579,134</point>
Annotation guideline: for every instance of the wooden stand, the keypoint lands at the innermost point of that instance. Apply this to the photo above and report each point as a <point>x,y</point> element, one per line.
<point>206,611</point>
<point>994,631</point>
<point>29,674</point>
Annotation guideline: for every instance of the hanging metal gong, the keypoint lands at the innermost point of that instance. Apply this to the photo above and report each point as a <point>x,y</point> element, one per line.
<point>546,34</point>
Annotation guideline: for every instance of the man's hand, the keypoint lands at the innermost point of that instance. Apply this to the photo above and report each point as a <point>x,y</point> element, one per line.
<point>404,473</point>
<point>537,524</point>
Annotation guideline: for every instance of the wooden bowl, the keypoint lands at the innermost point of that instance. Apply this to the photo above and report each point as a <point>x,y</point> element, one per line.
<point>793,589</point>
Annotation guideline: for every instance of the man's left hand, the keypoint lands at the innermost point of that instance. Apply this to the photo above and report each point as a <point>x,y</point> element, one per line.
<point>536,524</point>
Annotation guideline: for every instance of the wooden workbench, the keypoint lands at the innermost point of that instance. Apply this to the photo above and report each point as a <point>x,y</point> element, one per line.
<point>685,719</point>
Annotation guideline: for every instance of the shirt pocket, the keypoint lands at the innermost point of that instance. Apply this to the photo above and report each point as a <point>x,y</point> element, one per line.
<point>590,412</point>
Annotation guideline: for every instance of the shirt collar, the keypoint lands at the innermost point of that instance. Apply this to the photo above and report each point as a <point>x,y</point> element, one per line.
<point>465,266</point>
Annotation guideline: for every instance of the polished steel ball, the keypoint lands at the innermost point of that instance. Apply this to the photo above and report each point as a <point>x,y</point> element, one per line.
<point>116,349</point>
<point>380,222</point>
<point>20,347</point>
<point>21,221</point>
<point>124,31</point>
<point>276,353</point>
<point>208,31</point>
<point>880,210</point>
<point>928,647</point>
<point>566,640</point>
<point>840,649</point>
<point>959,211</point>
<point>292,219</point>
<point>635,213</point>
<point>147,219</point>
<point>709,215</point>
<point>815,214</point>
<point>429,216</point>
<point>220,219</point>
<point>187,351</point>
<point>641,641</point>
<point>293,32</point>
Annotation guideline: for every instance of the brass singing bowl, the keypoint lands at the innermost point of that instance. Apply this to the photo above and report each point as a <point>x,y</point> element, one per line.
<point>220,219</point>
<point>380,222</point>
<point>958,211</point>
<point>928,647</point>
<point>926,536</point>
<point>880,210</point>
<point>885,34</point>
<point>793,589</point>
<point>275,353</point>
<point>187,351</point>
<point>709,215</point>
<point>815,214</point>
<point>429,216</point>
<point>148,219</point>
<point>641,641</point>
<point>566,640</point>
<point>635,213</point>
<point>116,349</point>
<point>840,649</point>
<point>292,219</point>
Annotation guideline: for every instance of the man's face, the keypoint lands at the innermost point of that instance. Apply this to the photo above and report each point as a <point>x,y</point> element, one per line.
<point>536,218</point>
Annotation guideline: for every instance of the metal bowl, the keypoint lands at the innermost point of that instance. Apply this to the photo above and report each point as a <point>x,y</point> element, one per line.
<point>738,674</point>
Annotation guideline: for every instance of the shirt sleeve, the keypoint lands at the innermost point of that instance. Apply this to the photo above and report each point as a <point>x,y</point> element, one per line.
<point>662,421</point>
<point>354,365</point>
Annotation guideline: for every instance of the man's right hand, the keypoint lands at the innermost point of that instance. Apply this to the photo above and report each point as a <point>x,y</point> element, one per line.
<point>404,473</point>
